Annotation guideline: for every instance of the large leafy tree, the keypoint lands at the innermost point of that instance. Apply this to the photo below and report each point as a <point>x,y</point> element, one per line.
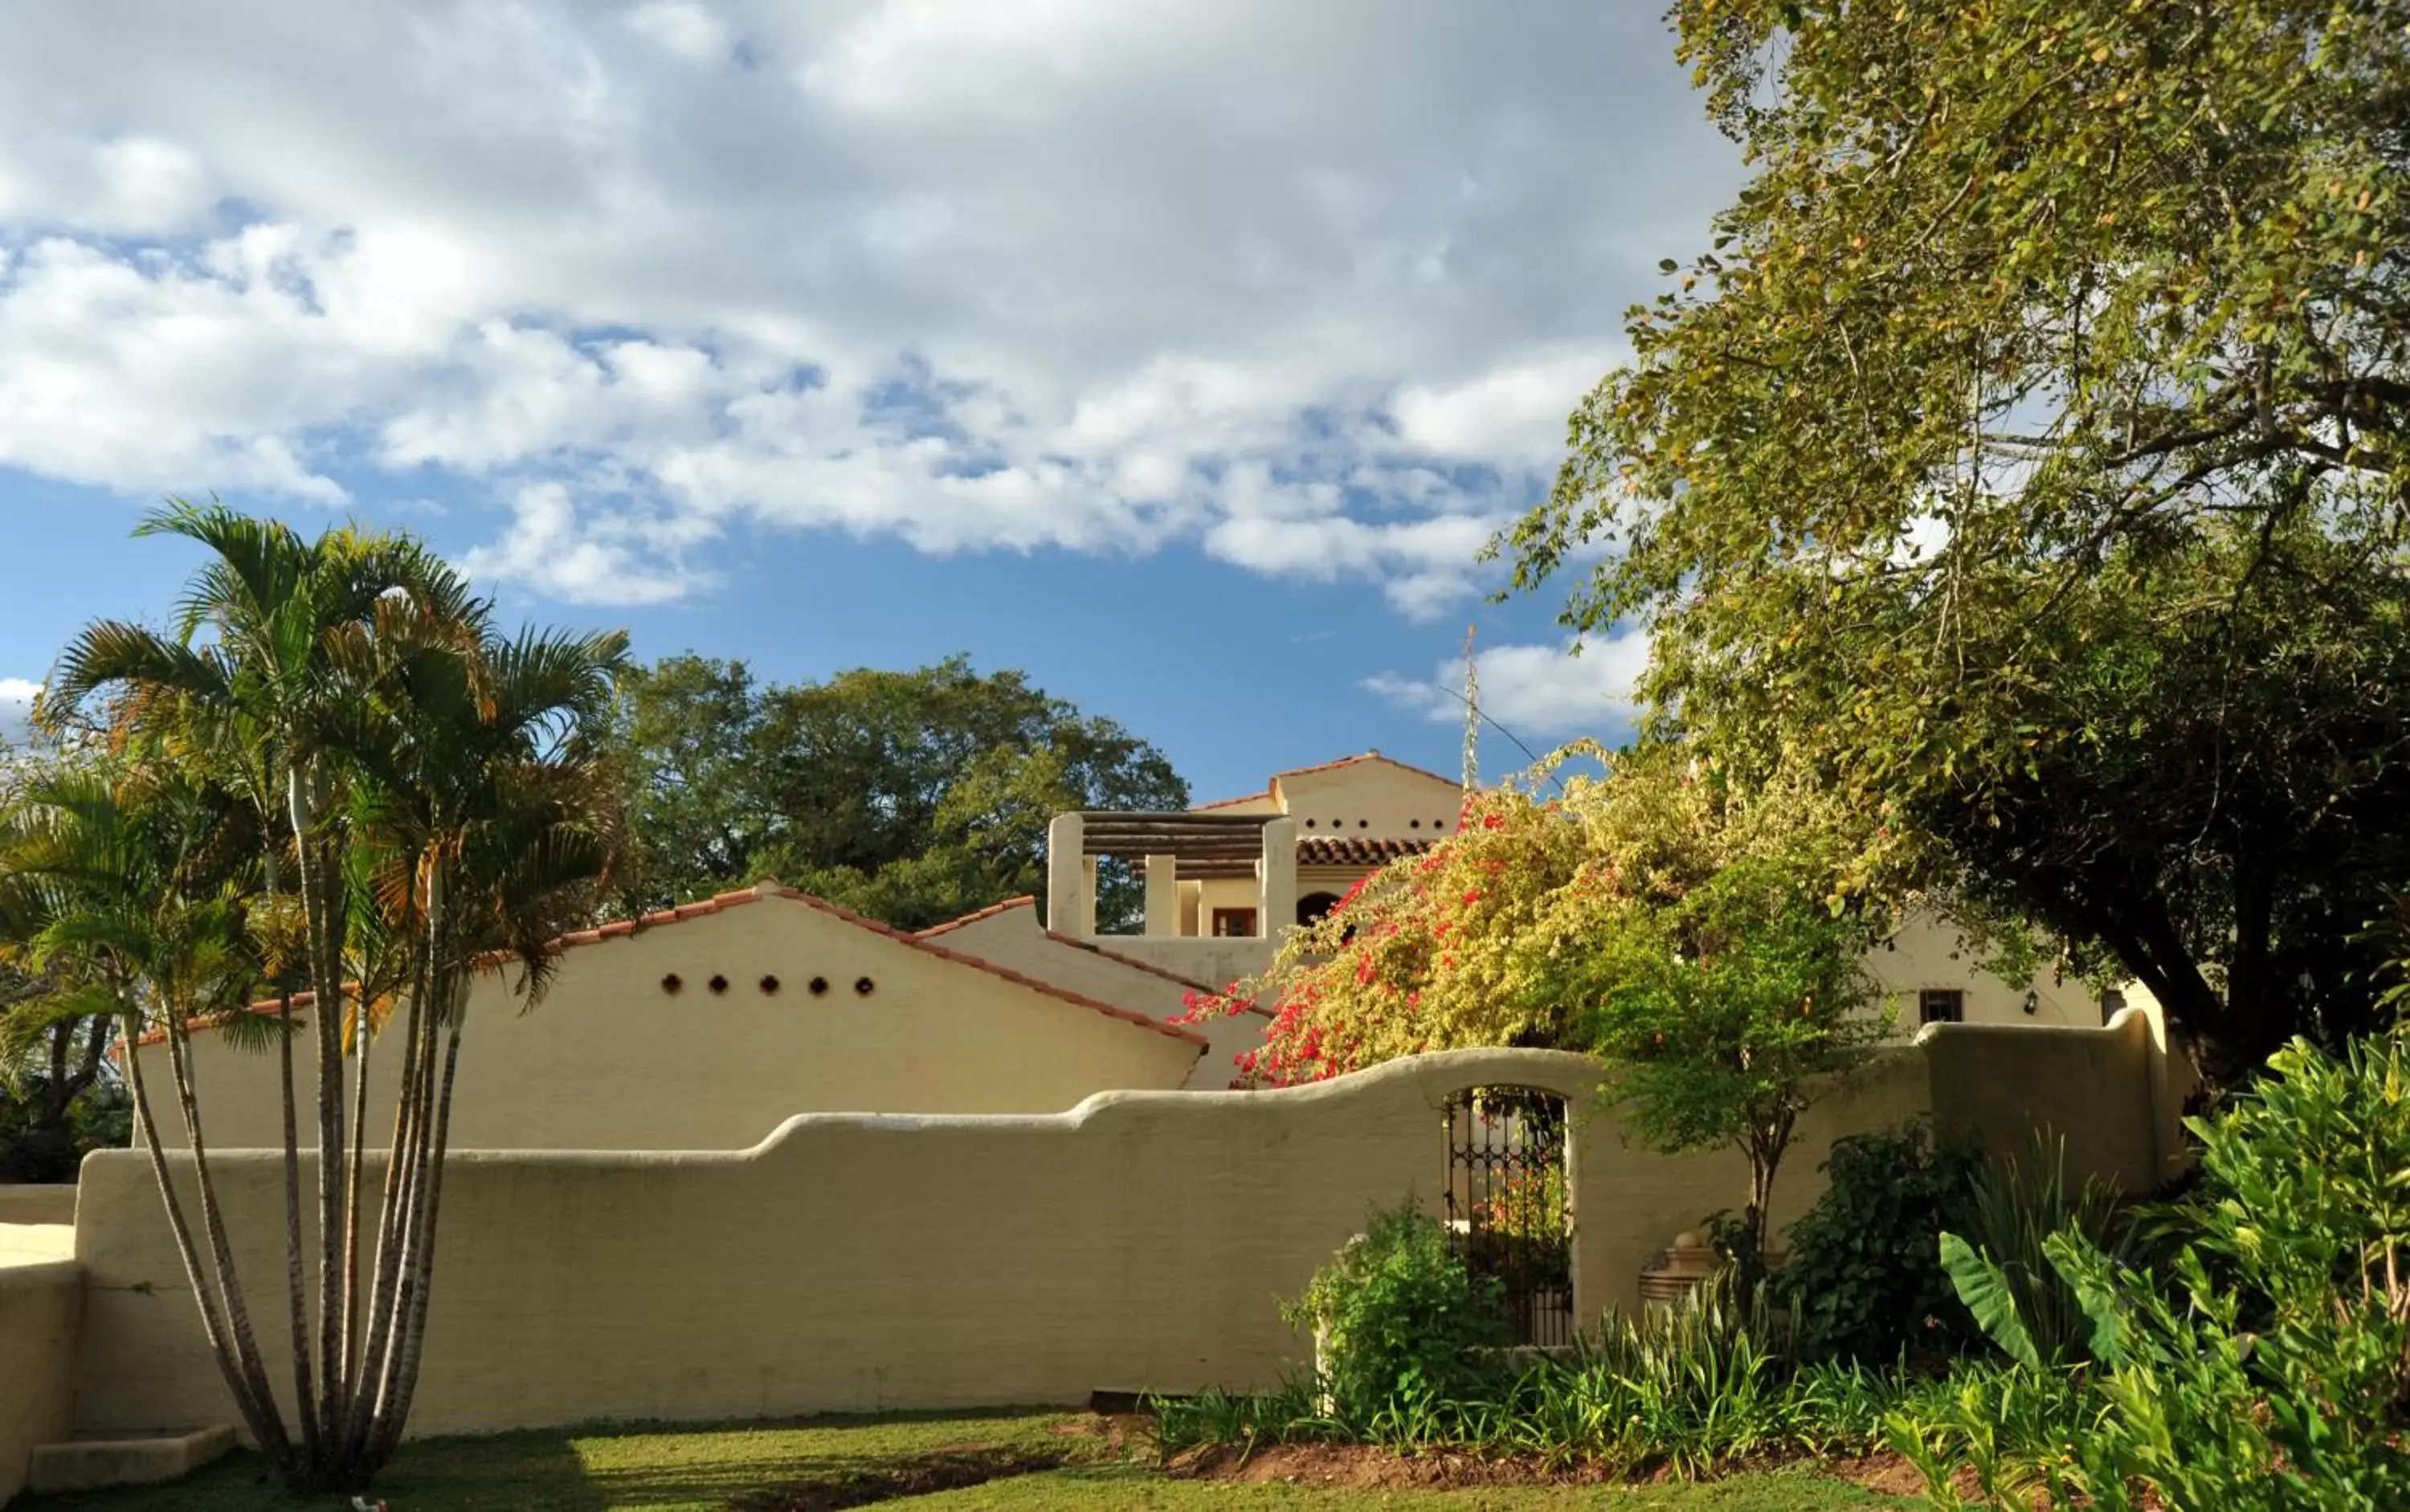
<point>2028,465</point>
<point>351,790</point>
<point>912,796</point>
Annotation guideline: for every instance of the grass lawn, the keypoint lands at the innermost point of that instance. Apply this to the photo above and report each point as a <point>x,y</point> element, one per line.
<point>711,1470</point>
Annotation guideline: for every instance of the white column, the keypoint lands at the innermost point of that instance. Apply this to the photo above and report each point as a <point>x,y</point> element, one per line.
<point>1277,907</point>
<point>1163,894</point>
<point>1070,887</point>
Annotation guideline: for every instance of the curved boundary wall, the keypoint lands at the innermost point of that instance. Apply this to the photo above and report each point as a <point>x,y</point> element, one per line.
<point>40,1305</point>
<point>856,1263</point>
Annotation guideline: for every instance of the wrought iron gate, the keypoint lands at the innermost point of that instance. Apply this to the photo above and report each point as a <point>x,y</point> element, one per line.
<point>1508,1205</point>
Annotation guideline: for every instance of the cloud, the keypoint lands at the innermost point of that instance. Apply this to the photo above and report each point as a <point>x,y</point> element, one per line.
<point>1537,691</point>
<point>1517,411</point>
<point>16,709</point>
<point>683,29</point>
<point>1310,287</point>
<point>586,556</point>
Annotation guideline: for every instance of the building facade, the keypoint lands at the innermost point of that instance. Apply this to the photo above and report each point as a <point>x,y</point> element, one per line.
<point>1225,879</point>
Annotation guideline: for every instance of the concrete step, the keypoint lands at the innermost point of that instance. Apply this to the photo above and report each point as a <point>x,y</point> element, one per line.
<point>84,1463</point>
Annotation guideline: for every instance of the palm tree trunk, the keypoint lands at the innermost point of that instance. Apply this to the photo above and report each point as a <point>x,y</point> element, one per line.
<point>325,970</point>
<point>403,1168</point>
<point>414,1331</point>
<point>229,1277</point>
<point>362,1041</point>
<point>305,1393</point>
<point>260,1416</point>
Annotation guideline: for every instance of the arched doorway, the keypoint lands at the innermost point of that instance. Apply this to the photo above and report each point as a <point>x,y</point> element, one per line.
<point>1510,1204</point>
<point>1311,907</point>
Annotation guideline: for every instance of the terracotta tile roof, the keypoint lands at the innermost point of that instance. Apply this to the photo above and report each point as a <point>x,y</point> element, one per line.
<point>1131,961</point>
<point>1353,850</point>
<point>1024,901</point>
<point>269,1009</point>
<point>625,929</point>
<point>1117,957</point>
<point>899,935</point>
<point>1368,756</point>
<point>1231,803</point>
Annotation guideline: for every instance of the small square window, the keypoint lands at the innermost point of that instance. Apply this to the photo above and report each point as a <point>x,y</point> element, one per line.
<point>1941,1005</point>
<point>1235,924</point>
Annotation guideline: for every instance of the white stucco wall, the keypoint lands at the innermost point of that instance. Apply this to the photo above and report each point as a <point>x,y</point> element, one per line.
<point>1011,937</point>
<point>612,1059</point>
<point>1925,953</point>
<point>858,1263</point>
<point>1371,800</point>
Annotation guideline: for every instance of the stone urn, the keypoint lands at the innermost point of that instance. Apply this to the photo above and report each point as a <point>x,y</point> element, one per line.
<point>1679,1269</point>
<point>1683,1264</point>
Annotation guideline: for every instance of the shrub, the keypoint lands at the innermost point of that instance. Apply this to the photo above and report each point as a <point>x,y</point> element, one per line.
<point>1397,1315</point>
<point>2002,1272</point>
<point>1687,1388</point>
<point>1865,1273</point>
<point>2269,1368</point>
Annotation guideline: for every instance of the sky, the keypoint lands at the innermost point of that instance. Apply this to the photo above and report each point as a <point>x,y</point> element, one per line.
<point>1182,355</point>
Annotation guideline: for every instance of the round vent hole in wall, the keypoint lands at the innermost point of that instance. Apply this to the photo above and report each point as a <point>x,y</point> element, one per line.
<point>863,985</point>
<point>671,983</point>
<point>769,986</point>
<point>818,987</point>
<point>720,984</point>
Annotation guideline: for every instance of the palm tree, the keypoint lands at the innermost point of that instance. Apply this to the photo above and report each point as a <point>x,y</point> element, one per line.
<point>122,892</point>
<point>494,822</point>
<point>434,793</point>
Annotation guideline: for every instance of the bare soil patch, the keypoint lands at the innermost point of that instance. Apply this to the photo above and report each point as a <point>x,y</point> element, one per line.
<point>941,1469</point>
<point>1116,1435</point>
<point>1367,1467</point>
<point>1888,1474</point>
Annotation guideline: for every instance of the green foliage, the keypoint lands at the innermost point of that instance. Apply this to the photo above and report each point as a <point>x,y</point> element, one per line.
<point>910,797</point>
<point>1723,1013</point>
<point>2005,1276</point>
<point>1688,1390</point>
<point>1698,1383</point>
<point>1984,1287</point>
<point>2267,1365</point>
<point>1863,1272</point>
<point>1397,1315</point>
<point>44,1137</point>
<point>1291,1414</point>
<point>58,1098</point>
<point>2015,1432</point>
<point>2027,463</point>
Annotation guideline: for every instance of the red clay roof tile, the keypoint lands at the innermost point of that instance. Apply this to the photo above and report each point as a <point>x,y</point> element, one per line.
<point>1272,791</point>
<point>1024,901</point>
<point>623,928</point>
<point>1353,851</point>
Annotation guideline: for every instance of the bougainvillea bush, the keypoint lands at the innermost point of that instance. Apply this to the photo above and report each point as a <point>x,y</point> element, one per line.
<point>1693,937</point>
<point>1423,954</point>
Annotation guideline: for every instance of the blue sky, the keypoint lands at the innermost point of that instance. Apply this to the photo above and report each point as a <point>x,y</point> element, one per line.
<point>1181,355</point>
